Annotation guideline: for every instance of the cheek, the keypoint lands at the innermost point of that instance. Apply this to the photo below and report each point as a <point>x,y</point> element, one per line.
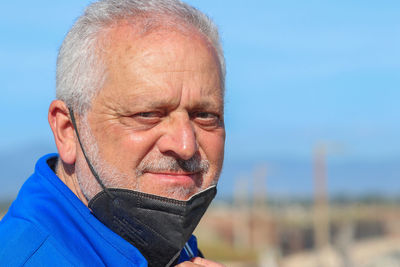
<point>213,145</point>
<point>126,148</point>
<point>135,138</point>
<point>136,145</point>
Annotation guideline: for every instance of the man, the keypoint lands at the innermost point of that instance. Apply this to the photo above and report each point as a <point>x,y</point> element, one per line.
<point>138,124</point>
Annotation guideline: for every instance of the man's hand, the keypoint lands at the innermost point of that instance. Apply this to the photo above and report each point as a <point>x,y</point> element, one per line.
<point>200,262</point>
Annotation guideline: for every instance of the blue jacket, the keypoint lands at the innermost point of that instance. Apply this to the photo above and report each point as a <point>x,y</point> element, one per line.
<point>47,225</point>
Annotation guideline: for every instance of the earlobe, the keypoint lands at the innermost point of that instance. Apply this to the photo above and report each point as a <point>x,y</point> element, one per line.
<point>63,131</point>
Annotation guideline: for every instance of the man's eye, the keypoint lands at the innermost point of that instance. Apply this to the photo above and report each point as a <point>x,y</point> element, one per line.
<point>148,114</point>
<point>207,118</point>
<point>152,117</point>
<point>206,115</point>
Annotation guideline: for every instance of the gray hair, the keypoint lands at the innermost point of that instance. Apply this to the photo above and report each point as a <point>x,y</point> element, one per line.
<point>80,70</point>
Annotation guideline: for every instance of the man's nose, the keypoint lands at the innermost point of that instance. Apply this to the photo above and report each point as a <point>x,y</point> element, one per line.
<point>179,140</point>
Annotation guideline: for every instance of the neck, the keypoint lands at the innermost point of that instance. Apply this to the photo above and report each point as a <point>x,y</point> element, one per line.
<point>67,175</point>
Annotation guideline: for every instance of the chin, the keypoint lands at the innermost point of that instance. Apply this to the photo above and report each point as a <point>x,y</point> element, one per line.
<point>177,192</point>
<point>181,193</point>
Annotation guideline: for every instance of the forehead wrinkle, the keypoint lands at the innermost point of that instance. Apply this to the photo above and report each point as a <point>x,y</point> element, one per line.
<point>207,105</point>
<point>148,98</point>
<point>142,65</point>
<point>148,55</point>
<point>172,52</point>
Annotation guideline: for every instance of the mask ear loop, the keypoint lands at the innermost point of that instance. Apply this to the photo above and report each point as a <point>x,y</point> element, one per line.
<point>96,176</point>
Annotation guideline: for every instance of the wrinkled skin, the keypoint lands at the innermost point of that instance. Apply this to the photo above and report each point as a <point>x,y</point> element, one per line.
<point>162,100</point>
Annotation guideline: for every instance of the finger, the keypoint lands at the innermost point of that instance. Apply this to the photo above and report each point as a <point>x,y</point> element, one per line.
<point>188,264</point>
<point>205,262</point>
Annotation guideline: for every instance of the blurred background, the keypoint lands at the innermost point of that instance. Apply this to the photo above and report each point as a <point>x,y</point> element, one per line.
<point>312,166</point>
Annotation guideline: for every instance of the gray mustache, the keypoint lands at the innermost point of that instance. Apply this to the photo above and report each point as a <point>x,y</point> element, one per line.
<point>170,164</point>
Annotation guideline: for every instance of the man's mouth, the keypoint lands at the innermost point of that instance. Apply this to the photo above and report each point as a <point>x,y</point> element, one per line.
<point>176,178</point>
<point>175,173</point>
<point>171,166</point>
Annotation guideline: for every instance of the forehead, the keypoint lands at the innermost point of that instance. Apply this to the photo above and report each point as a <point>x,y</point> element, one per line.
<point>161,57</point>
<point>126,43</point>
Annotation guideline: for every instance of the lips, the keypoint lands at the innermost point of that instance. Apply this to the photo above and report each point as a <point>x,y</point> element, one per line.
<point>174,173</point>
<point>184,179</point>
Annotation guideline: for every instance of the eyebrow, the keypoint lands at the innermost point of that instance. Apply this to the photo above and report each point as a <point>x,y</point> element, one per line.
<point>208,104</point>
<point>146,100</point>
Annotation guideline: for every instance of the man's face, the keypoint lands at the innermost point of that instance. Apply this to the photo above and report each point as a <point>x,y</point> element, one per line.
<point>158,121</point>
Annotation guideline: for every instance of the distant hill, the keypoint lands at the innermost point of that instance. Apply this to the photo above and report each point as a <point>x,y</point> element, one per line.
<point>18,164</point>
<point>286,177</point>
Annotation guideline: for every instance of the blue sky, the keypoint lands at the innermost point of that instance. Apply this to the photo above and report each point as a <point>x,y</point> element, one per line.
<point>300,73</point>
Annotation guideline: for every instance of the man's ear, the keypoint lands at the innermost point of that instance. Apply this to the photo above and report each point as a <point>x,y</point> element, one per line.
<point>63,131</point>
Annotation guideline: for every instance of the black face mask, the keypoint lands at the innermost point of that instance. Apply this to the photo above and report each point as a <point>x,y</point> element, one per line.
<point>157,226</point>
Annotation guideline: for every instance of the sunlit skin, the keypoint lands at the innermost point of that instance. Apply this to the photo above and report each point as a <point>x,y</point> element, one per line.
<point>162,96</point>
